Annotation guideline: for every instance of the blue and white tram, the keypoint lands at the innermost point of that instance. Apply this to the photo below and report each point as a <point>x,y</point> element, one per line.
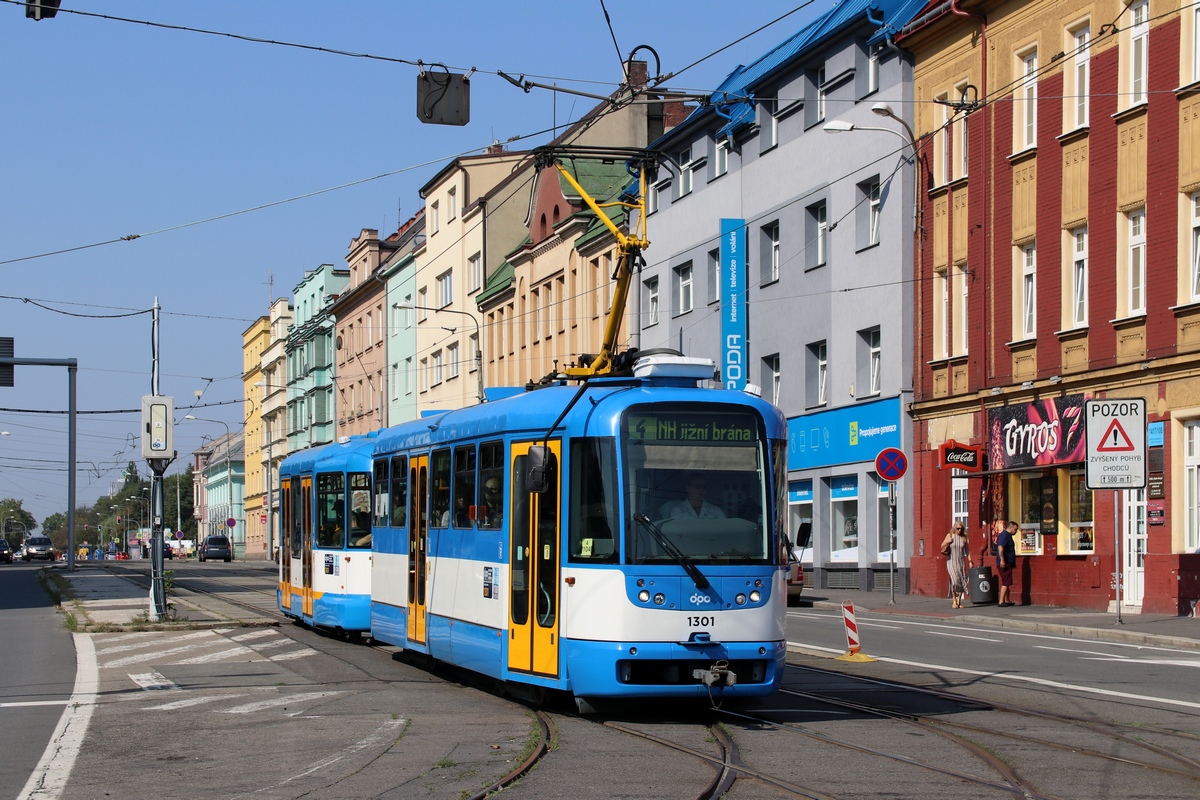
<point>325,535</point>
<point>543,539</point>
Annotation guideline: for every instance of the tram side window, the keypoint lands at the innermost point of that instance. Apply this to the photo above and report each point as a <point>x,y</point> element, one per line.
<point>491,478</point>
<point>331,510</point>
<point>298,514</point>
<point>399,493</point>
<point>360,509</point>
<point>464,487</point>
<point>592,502</point>
<point>379,502</point>
<point>439,489</point>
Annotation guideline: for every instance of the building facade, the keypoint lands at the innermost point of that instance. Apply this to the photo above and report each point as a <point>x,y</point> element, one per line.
<point>267,400</point>
<point>310,361</point>
<point>782,249</point>
<point>255,341</point>
<point>1061,264</point>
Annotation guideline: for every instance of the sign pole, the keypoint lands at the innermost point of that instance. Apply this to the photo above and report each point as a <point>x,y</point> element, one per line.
<point>1119,556</point>
<point>892,557</point>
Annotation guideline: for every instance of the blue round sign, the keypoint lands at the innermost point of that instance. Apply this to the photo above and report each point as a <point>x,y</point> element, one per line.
<point>231,522</point>
<point>891,464</point>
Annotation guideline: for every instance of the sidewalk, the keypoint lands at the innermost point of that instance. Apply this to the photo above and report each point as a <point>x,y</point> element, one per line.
<point>1145,629</point>
<point>107,601</point>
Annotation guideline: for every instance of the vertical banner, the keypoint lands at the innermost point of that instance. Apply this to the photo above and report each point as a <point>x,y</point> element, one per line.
<point>733,303</point>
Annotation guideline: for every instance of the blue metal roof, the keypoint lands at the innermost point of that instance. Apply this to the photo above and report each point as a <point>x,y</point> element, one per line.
<point>734,98</point>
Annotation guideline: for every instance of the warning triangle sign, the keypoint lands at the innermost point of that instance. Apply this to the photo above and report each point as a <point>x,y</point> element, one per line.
<point>1114,440</point>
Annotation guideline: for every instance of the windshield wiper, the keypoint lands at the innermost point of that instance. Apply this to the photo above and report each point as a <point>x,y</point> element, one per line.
<point>675,553</point>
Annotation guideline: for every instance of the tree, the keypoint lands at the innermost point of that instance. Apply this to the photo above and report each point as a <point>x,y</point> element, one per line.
<point>14,520</point>
<point>54,523</point>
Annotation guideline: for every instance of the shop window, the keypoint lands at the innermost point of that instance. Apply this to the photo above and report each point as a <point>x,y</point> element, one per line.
<point>843,518</point>
<point>885,523</point>
<point>800,519</point>
<point>1082,539</point>
<point>1038,512</point>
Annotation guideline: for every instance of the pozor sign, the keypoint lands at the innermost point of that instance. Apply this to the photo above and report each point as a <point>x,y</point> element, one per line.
<point>1116,443</point>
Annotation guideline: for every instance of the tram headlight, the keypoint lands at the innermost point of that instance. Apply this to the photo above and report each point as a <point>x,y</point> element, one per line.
<point>644,596</point>
<point>755,597</point>
<point>659,599</point>
<point>740,599</point>
<point>758,583</point>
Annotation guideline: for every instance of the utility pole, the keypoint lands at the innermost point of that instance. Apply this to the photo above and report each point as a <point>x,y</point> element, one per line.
<point>158,440</point>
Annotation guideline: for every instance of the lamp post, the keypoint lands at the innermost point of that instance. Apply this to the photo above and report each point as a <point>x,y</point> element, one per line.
<point>478,341</point>
<point>228,473</point>
<point>884,110</point>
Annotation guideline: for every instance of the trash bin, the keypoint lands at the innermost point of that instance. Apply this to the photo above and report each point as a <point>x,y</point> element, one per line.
<point>983,586</point>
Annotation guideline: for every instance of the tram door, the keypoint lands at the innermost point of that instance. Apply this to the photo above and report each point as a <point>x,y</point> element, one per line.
<point>533,559</point>
<point>306,548</point>
<point>285,547</point>
<point>418,536</point>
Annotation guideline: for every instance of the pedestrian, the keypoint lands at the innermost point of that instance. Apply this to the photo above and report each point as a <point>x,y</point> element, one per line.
<point>1006,561</point>
<point>956,548</point>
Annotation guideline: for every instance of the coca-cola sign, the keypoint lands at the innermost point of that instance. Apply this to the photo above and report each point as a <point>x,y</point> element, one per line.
<point>952,455</point>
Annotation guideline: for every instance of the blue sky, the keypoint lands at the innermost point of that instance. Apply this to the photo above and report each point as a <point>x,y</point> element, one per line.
<point>116,129</point>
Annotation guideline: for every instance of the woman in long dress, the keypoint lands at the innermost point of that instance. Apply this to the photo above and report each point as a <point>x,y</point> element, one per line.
<point>958,561</point>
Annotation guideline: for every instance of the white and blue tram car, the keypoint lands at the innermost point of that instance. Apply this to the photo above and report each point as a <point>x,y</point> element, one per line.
<point>325,535</point>
<point>619,538</point>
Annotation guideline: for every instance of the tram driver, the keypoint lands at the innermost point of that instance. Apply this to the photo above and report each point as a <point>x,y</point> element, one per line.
<point>493,500</point>
<point>695,506</point>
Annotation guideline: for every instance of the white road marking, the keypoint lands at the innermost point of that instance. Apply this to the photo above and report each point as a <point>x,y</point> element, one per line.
<point>1020,678</point>
<point>192,701</point>
<point>263,705</point>
<point>220,655</point>
<point>153,681</point>
<point>1162,662</point>
<point>125,648</point>
<point>280,642</point>
<point>253,635</point>
<point>160,655</point>
<point>31,703</point>
<point>383,736</point>
<point>49,777</point>
<point>1077,651</point>
<point>964,636</point>
<point>294,655</point>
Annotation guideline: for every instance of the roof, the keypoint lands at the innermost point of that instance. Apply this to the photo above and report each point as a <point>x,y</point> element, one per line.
<point>734,98</point>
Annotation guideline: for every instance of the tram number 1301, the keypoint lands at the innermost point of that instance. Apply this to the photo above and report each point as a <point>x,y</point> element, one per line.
<point>701,622</point>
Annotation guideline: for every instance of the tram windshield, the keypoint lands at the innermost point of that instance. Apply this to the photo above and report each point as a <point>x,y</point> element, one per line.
<point>699,477</point>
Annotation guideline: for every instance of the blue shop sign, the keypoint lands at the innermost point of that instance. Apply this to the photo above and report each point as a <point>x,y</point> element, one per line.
<point>1154,434</point>
<point>843,435</point>
<point>800,492</point>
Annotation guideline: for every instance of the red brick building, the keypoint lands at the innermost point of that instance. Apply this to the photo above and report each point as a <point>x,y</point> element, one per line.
<point>1058,259</point>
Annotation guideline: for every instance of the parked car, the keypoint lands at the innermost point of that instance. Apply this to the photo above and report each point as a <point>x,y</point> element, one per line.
<point>215,547</point>
<point>795,580</point>
<point>39,547</point>
<point>6,551</point>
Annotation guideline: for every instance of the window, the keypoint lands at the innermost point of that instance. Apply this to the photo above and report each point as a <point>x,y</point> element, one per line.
<point>651,198</point>
<point>685,172</point>
<point>770,252</point>
<point>884,515</point>
<point>408,375</point>
<point>1195,277</point>
<point>720,157</point>
<point>1079,276</point>
<point>873,72</point>
<point>821,96</point>
<point>843,517</point>
<point>941,318</point>
<point>436,359</point>
<point>491,479</point>
<point>714,276</point>
<point>768,123</point>
<point>1137,262</point>
<point>451,204</point>
<point>960,489</point>
<point>870,363</point>
<point>445,283</point>
<point>1191,486</point>
<point>369,331</point>
<point>452,359</point>
<point>963,327</point>
<point>463,512</point>
<point>770,377</point>
<point>1139,32</point>
<point>941,141</point>
<point>1028,290</point>
<point>1082,39</point>
<point>422,305</point>
<point>433,217</point>
<point>817,375</point>
<point>1082,539</point>
<point>408,311</point>
<point>535,316</point>
<point>870,212</point>
<point>683,283</point>
<point>475,271</point>
<point>651,285</point>
<point>1028,100</point>
<point>816,231</point>
<point>439,488</point>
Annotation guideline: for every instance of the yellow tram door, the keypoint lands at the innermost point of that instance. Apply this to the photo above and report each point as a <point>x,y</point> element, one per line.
<point>418,536</point>
<point>306,549</point>
<point>536,491</point>
<point>285,546</point>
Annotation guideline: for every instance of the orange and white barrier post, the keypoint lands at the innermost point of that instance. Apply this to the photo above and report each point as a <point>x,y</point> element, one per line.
<point>853,641</point>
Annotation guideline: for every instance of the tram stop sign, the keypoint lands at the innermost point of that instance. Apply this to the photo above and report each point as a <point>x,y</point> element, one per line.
<point>891,464</point>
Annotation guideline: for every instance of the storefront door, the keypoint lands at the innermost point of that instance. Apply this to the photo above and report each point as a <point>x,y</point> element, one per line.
<point>1133,546</point>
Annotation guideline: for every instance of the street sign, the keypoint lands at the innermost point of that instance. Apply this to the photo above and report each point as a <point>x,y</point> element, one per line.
<point>262,519</point>
<point>1116,443</point>
<point>891,464</point>
<point>230,523</point>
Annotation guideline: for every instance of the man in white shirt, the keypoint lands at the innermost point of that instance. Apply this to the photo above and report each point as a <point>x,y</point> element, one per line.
<point>695,506</point>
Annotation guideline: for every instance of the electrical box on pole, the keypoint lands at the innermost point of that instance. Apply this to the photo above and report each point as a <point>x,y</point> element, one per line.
<point>158,427</point>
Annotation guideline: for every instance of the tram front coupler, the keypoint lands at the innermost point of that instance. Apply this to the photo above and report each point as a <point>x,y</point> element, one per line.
<point>719,674</point>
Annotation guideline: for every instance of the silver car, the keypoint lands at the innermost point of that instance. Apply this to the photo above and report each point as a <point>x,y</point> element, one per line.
<point>39,547</point>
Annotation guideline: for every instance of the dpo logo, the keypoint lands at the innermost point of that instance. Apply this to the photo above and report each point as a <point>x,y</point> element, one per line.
<point>699,599</point>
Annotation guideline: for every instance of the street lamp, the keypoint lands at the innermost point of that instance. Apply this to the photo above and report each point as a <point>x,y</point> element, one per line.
<point>228,473</point>
<point>478,341</point>
<point>884,110</point>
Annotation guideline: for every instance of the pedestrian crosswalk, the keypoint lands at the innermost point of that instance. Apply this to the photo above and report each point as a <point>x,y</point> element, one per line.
<point>146,660</point>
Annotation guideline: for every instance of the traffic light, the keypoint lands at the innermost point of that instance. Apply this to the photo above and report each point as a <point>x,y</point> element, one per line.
<point>41,9</point>
<point>118,520</point>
